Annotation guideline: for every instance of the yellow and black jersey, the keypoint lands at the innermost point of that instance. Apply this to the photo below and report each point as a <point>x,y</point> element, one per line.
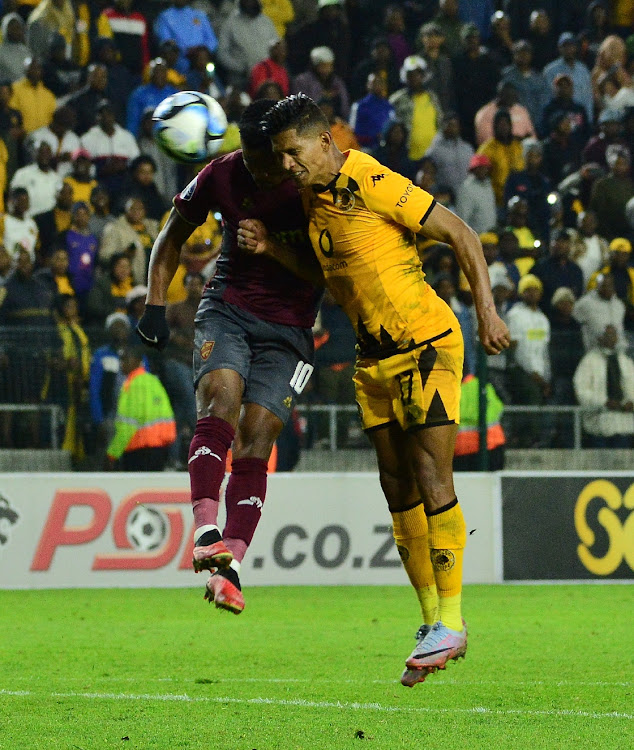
<point>362,227</point>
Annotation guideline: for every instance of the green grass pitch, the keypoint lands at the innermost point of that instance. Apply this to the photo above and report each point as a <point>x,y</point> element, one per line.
<point>313,668</point>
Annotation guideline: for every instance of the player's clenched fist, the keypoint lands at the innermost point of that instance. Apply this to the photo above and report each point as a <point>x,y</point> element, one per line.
<point>253,237</point>
<point>494,334</point>
<point>152,329</point>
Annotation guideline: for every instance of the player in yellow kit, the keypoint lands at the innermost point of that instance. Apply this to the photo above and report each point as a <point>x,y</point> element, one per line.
<point>362,221</point>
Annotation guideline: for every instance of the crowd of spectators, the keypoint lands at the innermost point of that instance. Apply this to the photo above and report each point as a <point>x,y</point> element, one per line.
<point>517,115</point>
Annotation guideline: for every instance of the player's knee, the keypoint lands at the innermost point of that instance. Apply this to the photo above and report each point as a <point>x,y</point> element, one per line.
<point>218,397</point>
<point>433,477</point>
<point>255,443</point>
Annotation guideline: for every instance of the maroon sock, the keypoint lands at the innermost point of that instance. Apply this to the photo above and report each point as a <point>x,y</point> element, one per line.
<point>244,499</point>
<point>207,461</point>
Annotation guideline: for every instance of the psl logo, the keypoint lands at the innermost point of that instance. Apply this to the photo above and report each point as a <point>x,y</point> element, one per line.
<point>620,534</point>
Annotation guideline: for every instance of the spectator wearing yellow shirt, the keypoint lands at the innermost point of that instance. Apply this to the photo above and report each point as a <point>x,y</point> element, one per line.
<point>416,106</point>
<point>281,12</point>
<point>32,99</point>
<point>80,179</point>
<point>517,217</point>
<point>505,153</point>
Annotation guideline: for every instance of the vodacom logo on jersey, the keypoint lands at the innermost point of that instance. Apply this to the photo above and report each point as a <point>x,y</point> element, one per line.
<point>617,519</point>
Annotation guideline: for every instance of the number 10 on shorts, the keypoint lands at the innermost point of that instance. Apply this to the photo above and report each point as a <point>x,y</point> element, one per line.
<point>301,376</point>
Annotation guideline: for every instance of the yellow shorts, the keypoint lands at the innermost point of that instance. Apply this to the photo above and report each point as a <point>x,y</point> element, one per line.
<point>417,389</point>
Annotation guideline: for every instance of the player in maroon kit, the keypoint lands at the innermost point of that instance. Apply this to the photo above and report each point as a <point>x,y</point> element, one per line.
<point>253,344</point>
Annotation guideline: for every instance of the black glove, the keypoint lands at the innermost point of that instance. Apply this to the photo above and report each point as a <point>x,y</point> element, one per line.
<point>152,328</point>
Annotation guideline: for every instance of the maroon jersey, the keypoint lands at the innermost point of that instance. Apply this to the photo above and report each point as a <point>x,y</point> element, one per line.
<point>253,282</point>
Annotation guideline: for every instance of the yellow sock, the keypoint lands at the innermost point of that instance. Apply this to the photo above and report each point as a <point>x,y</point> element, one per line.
<point>410,535</point>
<point>447,539</point>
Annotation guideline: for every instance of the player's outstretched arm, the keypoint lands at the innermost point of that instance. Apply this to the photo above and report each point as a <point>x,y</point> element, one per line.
<point>253,237</point>
<point>152,328</point>
<point>444,226</point>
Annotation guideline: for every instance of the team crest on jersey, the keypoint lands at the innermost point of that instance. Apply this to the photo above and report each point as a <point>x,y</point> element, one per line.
<point>189,191</point>
<point>377,178</point>
<point>345,199</point>
<point>206,349</point>
<point>288,402</point>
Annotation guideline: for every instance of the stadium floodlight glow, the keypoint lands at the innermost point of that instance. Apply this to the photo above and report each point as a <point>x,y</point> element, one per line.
<point>552,198</point>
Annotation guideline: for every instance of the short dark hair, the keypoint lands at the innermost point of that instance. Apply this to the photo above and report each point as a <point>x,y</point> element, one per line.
<point>297,111</point>
<point>251,133</point>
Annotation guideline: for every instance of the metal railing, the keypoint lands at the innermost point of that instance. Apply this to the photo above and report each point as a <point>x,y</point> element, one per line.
<point>56,415</point>
<point>333,411</point>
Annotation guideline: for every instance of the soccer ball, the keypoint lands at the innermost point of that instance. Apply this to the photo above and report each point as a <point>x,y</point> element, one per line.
<point>189,126</point>
<point>146,528</point>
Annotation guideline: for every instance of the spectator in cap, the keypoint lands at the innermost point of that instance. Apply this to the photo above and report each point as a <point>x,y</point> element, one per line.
<point>81,179</point>
<point>475,79</point>
<point>598,308</point>
<point>589,249</point>
<point>148,95</point>
<point>189,28</point>
<point>529,84</point>
<point>40,179</point>
<point>610,129</point>
<point>381,62</point>
<point>321,81</point>
<point>610,194</point>
<point>557,270</point>
<point>105,379</point>
<point>567,63</point>
<point>369,116</point>
<point>604,384</point>
<point>331,30</point>
<point>451,154</point>
<point>517,216</point>
<point>110,289</point>
<point>272,68</point>
<point>13,50</point>
<point>448,21</point>
<point>61,137</point>
<point>393,151</point>
<point>61,75</point>
<point>622,275</point>
<point>563,101</point>
<point>110,146</point>
<point>505,153</point>
<point>245,41</point>
<point>416,104</point>
<point>129,30</point>
<point>135,304</point>
<point>561,152</point>
<point>31,97</point>
<point>438,64</point>
<point>506,98</point>
<point>86,101</point>
<point>532,185</point>
<point>475,199</point>
<point>529,376</point>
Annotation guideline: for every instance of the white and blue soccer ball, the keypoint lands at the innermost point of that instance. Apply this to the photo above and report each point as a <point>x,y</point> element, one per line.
<point>146,528</point>
<point>189,126</point>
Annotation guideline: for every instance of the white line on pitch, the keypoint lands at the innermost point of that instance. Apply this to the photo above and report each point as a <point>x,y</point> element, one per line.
<point>285,680</point>
<point>327,704</point>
